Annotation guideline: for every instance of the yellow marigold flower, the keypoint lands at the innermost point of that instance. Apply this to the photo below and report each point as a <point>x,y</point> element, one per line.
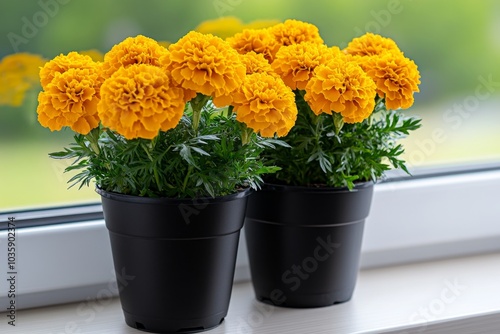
<point>222,27</point>
<point>296,63</point>
<point>70,99</point>
<point>370,45</point>
<point>132,50</point>
<point>205,64</point>
<point>396,77</point>
<point>266,105</point>
<point>137,101</point>
<point>18,74</point>
<point>341,86</point>
<point>296,32</point>
<point>62,63</point>
<point>256,63</point>
<point>256,40</point>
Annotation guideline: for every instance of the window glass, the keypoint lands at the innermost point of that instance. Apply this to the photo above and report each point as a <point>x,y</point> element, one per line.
<point>456,48</point>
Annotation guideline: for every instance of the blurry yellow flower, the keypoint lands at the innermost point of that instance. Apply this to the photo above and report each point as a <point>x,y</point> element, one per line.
<point>261,24</point>
<point>63,63</point>
<point>341,86</point>
<point>12,89</point>
<point>222,27</point>
<point>370,44</point>
<point>18,74</point>
<point>396,77</point>
<point>132,50</point>
<point>95,54</point>
<point>257,40</point>
<point>296,63</point>
<point>295,32</point>
<point>137,101</point>
<point>266,105</point>
<point>256,63</point>
<point>70,99</point>
<point>165,44</point>
<point>227,26</point>
<point>205,64</point>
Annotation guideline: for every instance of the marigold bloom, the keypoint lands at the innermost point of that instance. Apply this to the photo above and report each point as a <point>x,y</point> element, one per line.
<point>296,32</point>
<point>266,105</point>
<point>341,86</point>
<point>63,63</point>
<point>133,50</point>
<point>137,101</point>
<point>256,63</point>
<point>296,63</point>
<point>396,77</point>
<point>256,40</point>
<point>205,64</point>
<point>18,74</point>
<point>370,45</point>
<point>70,99</point>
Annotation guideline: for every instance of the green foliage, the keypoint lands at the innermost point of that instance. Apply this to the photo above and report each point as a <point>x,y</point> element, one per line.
<point>326,152</point>
<point>179,163</point>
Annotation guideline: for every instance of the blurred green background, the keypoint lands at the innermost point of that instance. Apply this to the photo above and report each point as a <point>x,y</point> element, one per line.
<point>455,44</point>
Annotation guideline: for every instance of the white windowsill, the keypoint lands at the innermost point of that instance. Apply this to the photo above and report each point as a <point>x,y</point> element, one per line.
<point>415,220</point>
<point>457,295</point>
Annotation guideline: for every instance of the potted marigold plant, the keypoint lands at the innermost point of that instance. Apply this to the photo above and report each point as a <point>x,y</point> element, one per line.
<point>172,138</point>
<point>304,228</point>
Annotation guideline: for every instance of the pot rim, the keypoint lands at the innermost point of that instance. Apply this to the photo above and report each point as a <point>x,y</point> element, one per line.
<point>169,200</point>
<point>313,189</point>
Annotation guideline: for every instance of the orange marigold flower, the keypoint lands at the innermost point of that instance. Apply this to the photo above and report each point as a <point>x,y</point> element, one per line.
<point>296,32</point>
<point>256,63</point>
<point>205,64</point>
<point>341,86</point>
<point>370,45</point>
<point>396,77</point>
<point>266,105</point>
<point>133,50</point>
<point>62,63</point>
<point>70,99</point>
<point>296,63</point>
<point>137,101</point>
<point>256,40</point>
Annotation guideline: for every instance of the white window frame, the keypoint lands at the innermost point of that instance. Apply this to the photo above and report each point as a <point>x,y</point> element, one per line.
<point>436,214</point>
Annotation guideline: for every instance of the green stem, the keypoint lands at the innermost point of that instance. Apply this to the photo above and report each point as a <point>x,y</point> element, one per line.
<point>93,138</point>
<point>184,184</point>
<point>338,121</point>
<point>246,134</point>
<point>197,104</point>
<point>230,111</point>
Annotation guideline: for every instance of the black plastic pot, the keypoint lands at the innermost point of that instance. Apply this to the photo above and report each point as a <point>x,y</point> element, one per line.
<point>304,243</point>
<point>174,259</point>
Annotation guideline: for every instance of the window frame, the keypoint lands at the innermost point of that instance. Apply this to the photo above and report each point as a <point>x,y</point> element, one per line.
<point>65,256</point>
